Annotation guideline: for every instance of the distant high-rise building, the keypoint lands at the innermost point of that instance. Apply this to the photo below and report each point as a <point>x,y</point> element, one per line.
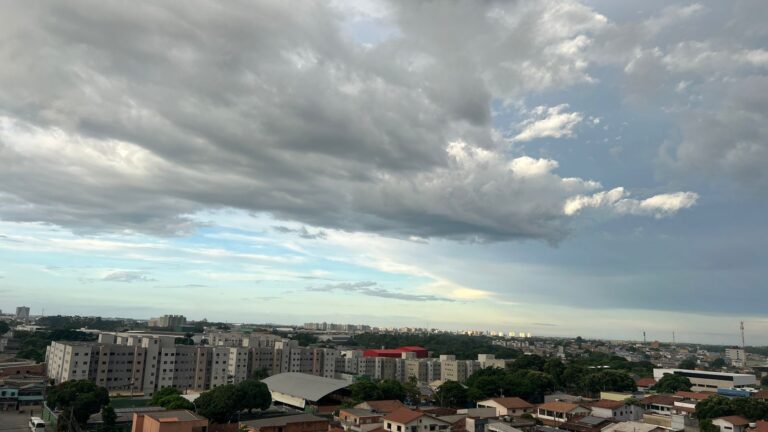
<point>22,313</point>
<point>737,357</point>
<point>168,321</point>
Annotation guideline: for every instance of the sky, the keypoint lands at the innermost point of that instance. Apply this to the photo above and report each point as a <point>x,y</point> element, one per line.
<point>559,167</point>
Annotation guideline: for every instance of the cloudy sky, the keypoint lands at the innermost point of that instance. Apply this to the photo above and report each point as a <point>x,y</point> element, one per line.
<point>593,168</point>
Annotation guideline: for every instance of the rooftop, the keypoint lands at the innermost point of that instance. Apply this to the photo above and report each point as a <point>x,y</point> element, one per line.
<point>282,420</point>
<point>557,406</point>
<point>174,415</point>
<point>304,386</point>
<point>510,402</point>
<point>403,415</point>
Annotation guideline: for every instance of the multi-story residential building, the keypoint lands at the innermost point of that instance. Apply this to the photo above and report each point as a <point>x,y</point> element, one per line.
<point>168,321</point>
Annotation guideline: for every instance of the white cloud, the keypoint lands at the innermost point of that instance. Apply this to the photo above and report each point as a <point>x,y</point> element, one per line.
<point>552,122</point>
<point>616,201</point>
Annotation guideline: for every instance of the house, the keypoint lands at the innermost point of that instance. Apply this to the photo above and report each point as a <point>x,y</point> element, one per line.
<point>381,406</point>
<point>554,413</point>
<point>501,427</point>
<point>169,421</point>
<point>289,423</point>
<point>507,406</point>
<point>660,404</point>
<point>360,420</point>
<point>644,384</point>
<point>407,420</point>
<point>634,426</point>
<point>9,398</point>
<point>586,424</point>
<point>616,410</point>
<point>731,423</point>
<point>759,426</point>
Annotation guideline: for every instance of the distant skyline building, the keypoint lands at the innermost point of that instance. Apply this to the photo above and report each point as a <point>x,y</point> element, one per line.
<point>22,313</point>
<point>168,321</point>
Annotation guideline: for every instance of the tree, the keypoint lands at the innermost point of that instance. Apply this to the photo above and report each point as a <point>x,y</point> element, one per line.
<point>713,407</point>
<point>555,368</point>
<point>717,363</point>
<point>608,380</point>
<point>108,419</point>
<point>764,381</point>
<point>451,394</point>
<point>4,327</point>
<point>364,389</point>
<point>391,389</point>
<point>253,394</point>
<point>671,383</point>
<point>688,363</point>
<point>81,398</point>
<point>260,374</point>
<point>219,404</point>
<point>177,402</point>
<point>531,362</point>
<point>530,385</point>
<point>162,394</point>
<point>412,392</point>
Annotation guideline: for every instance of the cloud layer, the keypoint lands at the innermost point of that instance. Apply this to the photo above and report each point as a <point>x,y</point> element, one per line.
<point>276,108</point>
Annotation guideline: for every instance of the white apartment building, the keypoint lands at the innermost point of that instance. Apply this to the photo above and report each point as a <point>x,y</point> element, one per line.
<point>736,357</point>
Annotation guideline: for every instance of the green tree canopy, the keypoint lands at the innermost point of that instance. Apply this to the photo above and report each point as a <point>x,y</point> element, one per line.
<point>253,394</point>
<point>219,404</point>
<point>177,402</point>
<point>717,363</point>
<point>608,380</point>
<point>391,389</point>
<point>451,394</point>
<point>688,363</point>
<point>80,397</point>
<point>4,327</point>
<point>162,394</point>
<point>671,383</point>
<point>108,419</point>
<point>530,362</point>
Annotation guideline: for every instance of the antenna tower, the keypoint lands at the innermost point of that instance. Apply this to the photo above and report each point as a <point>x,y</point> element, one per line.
<point>743,344</point>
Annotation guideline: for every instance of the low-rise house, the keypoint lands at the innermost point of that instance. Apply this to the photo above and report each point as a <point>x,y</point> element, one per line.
<point>585,424</point>
<point>407,420</point>
<point>290,423</point>
<point>360,420</point>
<point>645,384</point>
<point>660,404</point>
<point>507,406</point>
<point>559,412</point>
<point>731,423</point>
<point>9,398</point>
<point>169,421</point>
<point>633,426</point>
<point>381,406</point>
<point>501,427</point>
<point>616,410</point>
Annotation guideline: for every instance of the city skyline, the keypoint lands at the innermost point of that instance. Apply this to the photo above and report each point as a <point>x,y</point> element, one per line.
<point>566,167</point>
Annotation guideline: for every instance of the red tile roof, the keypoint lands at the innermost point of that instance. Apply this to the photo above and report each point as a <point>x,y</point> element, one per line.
<point>735,420</point>
<point>403,416</point>
<point>760,426</point>
<point>659,399</point>
<point>693,395</point>
<point>608,404</point>
<point>645,382</point>
<point>384,406</point>
<point>512,402</point>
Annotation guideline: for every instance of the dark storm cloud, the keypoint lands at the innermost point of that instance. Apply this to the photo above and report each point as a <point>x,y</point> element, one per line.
<point>136,116</point>
<point>372,289</point>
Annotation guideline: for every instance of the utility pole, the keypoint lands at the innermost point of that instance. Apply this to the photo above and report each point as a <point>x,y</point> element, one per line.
<point>645,341</point>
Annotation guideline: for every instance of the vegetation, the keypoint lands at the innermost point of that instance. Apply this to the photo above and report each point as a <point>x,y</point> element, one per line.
<point>78,399</point>
<point>452,394</point>
<point>260,374</point>
<point>170,398</point>
<point>764,381</point>
<point>608,380</point>
<point>4,327</point>
<point>33,344</point>
<point>462,346</point>
<point>717,363</point>
<point>671,383</point>
<point>688,363</point>
<point>222,403</point>
<point>78,322</point>
<point>719,406</point>
<point>186,340</point>
<point>365,389</point>
<point>108,419</point>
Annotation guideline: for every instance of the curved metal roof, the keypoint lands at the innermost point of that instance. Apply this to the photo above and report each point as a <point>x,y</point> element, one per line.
<point>304,386</point>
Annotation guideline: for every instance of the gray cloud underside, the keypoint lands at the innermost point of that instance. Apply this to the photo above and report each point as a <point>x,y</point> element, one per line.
<point>372,289</point>
<point>134,116</point>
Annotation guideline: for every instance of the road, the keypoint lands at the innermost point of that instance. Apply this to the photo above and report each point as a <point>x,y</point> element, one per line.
<point>12,421</point>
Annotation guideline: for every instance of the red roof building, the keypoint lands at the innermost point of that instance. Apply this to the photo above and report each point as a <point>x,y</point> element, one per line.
<point>397,352</point>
